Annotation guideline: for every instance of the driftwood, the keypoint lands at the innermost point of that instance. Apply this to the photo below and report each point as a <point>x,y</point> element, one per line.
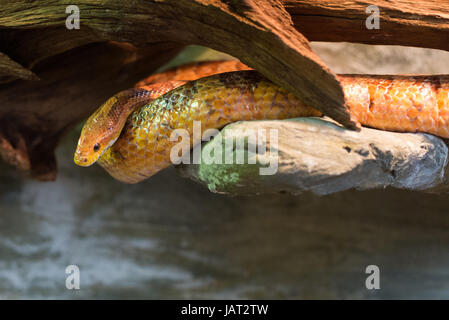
<point>311,154</point>
<point>420,23</point>
<point>53,77</point>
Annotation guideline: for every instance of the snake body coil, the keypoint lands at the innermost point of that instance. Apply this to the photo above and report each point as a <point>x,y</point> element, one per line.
<point>130,138</point>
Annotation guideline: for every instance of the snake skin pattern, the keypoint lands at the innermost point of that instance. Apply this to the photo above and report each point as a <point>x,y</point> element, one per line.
<point>144,146</point>
<point>396,103</point>
<point>399,103</point>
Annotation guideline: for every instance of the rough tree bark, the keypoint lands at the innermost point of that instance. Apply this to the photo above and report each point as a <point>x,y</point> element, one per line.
<point>422,23</point>
<point>53,77</point>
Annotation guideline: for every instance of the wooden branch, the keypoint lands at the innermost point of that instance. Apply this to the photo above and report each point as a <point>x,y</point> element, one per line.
<point>315,155</point>
<point>418,23</point>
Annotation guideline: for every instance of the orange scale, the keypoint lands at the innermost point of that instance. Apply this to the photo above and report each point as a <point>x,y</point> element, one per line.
<point>260,113</point>
<point>442,116</point>
<point>418,123</point>
<point>220,94</point>
<point>397,108</point>
<point>269,97</point>
<point>387,98</point>
<point>406,112</point>
<point>376,118</point>
<point>418,99</point>
<point>124,153</point>
<point>434,114</point>
<point>363,106</point>
<point>163,130</point>
<point>183,116</point>
<point>140,134</point>
<point>442,122</point>
<point>132,147</point>
<point>444,132</point>
<point>370,117</point>
<point>378,95</point>
<point>359,116</point>
<point>442,102</point>
<point>135,147</point>
<point>396,100</point>
<point>393,118</point>
<point>174,118</point>
<point>281,98</point>
<point>218,104</point>
<point>159,158</point>
<point>235,116</point>
<point>231,100</point>
<point>412,90</point>
<point>188,124</point>
<point>375,123</point>
<point>272,90</point>
<point>206,95</point>
<point>130,162</point>
<point>401,92</point>
<point>259,92</point>
<point>412,113</point>
<point>214,117</point>
<point>379,110</point>
<point>239,108</point>
<point>277,109</point>
<point>151,137</point>
<point>403,124</point>
<point>428,124</point>
<point>408,103</point>
<point>148,158</point>
<point>225,111</point>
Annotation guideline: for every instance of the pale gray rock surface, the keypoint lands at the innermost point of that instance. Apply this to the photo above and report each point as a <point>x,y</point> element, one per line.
<point>317,155</point>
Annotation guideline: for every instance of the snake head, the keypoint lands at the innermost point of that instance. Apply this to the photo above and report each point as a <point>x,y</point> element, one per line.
<point>90,149</point>
<point>98,134</point>
<point>104,126</point>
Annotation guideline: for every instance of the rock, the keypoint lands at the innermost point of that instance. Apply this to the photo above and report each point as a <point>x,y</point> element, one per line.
<point>317,155</point>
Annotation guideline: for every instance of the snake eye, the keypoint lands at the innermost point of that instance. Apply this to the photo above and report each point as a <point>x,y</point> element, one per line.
<point>96,147</point>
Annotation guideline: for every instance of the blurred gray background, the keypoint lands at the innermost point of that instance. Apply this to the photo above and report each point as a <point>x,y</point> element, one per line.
<point>168,237</point>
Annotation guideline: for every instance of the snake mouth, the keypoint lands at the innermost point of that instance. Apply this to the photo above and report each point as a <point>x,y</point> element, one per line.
<point>82,161</point>
<point>85,158</point>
